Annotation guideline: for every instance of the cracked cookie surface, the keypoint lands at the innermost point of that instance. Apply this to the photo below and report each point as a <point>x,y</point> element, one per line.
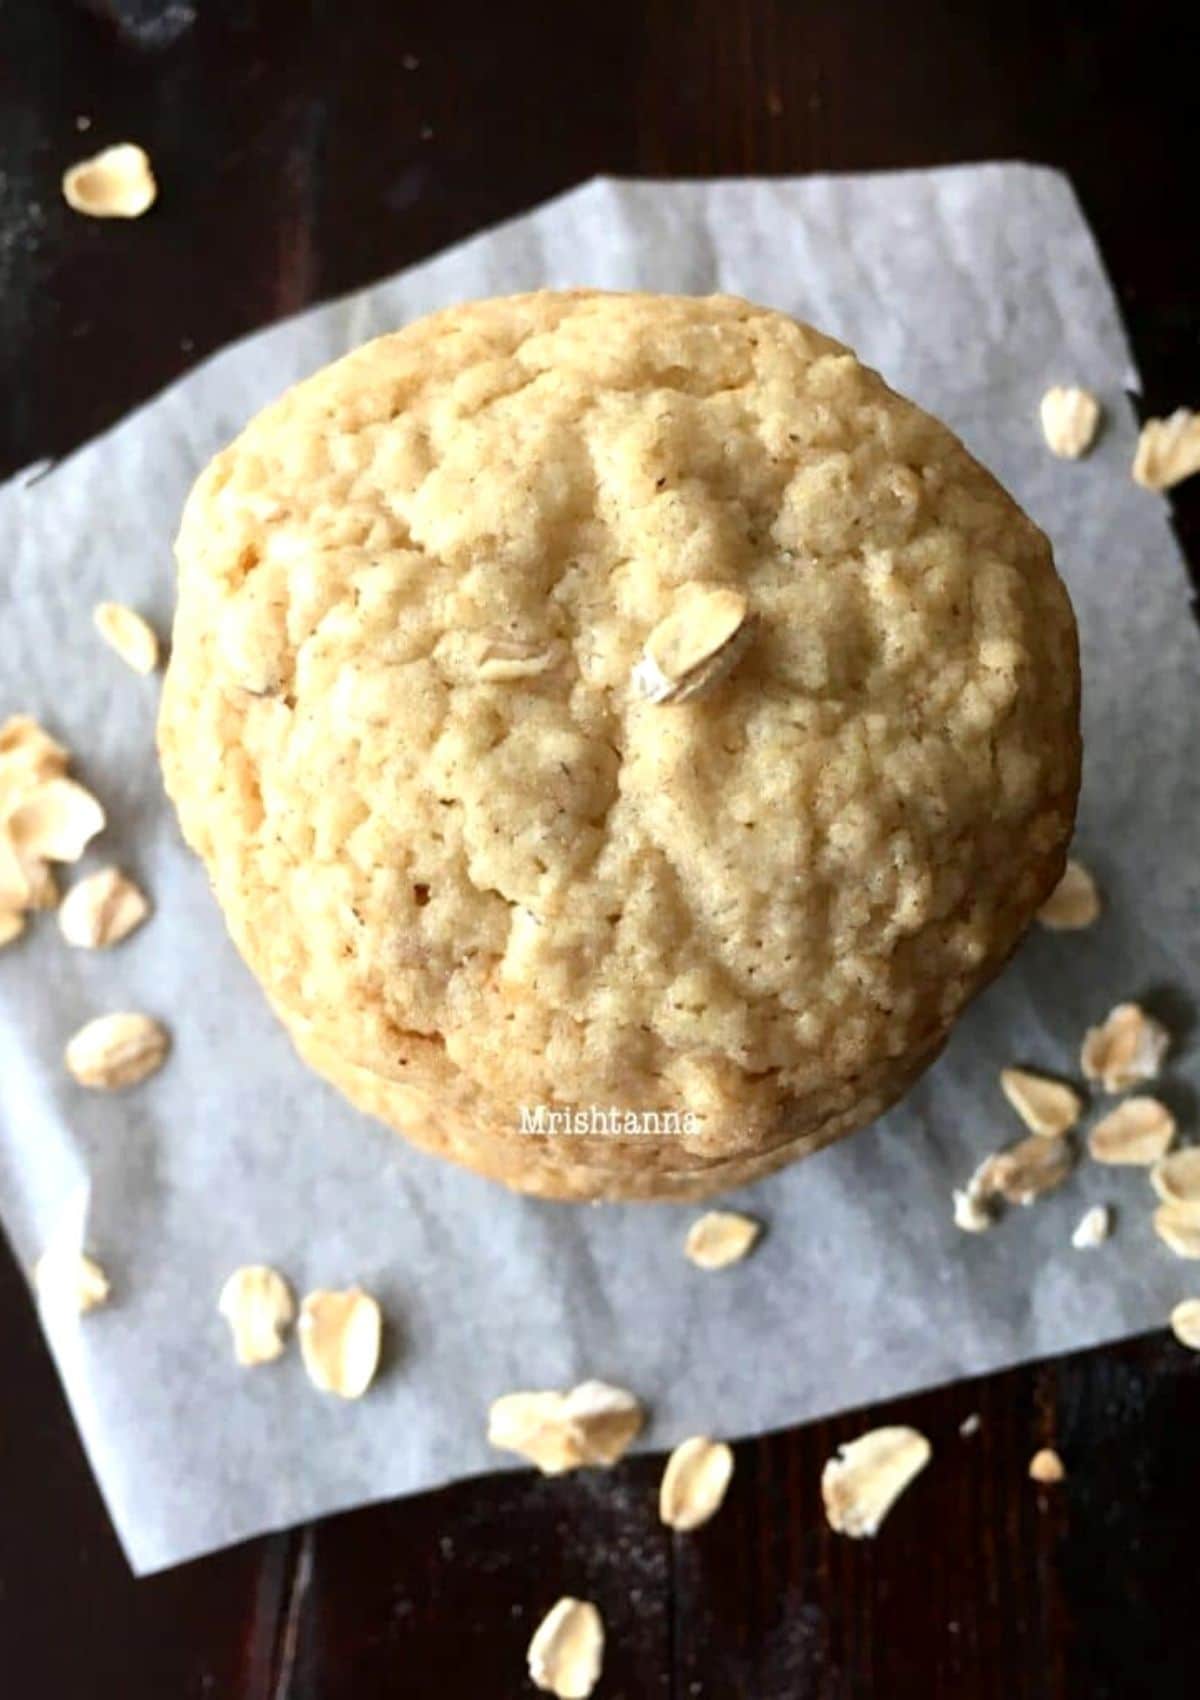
<point>474,869</point>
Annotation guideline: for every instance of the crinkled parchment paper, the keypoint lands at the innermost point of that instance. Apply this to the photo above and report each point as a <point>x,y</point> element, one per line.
<point>973,289</point>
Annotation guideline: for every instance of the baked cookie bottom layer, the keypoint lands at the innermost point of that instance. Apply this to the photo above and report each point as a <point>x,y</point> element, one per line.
<point>592,1167</point>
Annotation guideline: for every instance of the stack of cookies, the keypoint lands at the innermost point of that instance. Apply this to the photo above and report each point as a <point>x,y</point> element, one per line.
<point>621,732</point>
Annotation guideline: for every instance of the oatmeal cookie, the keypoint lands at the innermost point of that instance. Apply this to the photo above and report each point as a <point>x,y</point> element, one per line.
<point>492,837</point>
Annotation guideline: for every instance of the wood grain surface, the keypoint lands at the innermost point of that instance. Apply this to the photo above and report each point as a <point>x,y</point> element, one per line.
<point>306,149</point>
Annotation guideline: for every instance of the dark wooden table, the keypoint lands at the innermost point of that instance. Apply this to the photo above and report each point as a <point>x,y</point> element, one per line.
<point>303,150</point>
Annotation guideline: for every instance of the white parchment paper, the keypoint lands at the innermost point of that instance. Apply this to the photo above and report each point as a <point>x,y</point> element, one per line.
<point>972,289</point>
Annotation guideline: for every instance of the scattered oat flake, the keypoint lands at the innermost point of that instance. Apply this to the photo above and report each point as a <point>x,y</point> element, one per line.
<point>1178,1231</point>
<point>1046,1467</point>
<point>117,1050</point>
<point>101,910</point>
<point>1185,1323</point>
<point>1139,1130</point>
<point>68,1280</point>
<point>500,659</point>
<point>695,646</point>
<point>1093,1228</point>
<point>719,1238</point>
<point>55,821</point>
<point>1176,1180</point>
<point>340,1337</point>
<point>1069,416</point>
<point>15,888</point>
<point>1026,1170</point>
<point>567,1650</point>
<point>532,1424</point>
<point>970,1425</point>
<point>125,631</point>
<point>694,1482</point>
<point>258,1305</point>
<point>1073,904</point>
<point>43,887</point>
<point>118,182</point>
<point>860,1486</point>
<point>1127,1047</point>
<point>12,925</point>
<point>604,1419</point>
<point>23,742</point>
<point>43,816</point>
<point>592,1424</point>
<point>1168,450</point>
<point>971,1213</point>
<point>1047,1107</point>
<point>26,882</point>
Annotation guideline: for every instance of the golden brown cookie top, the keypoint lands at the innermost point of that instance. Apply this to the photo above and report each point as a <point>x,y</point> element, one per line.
<point>402,722</point>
